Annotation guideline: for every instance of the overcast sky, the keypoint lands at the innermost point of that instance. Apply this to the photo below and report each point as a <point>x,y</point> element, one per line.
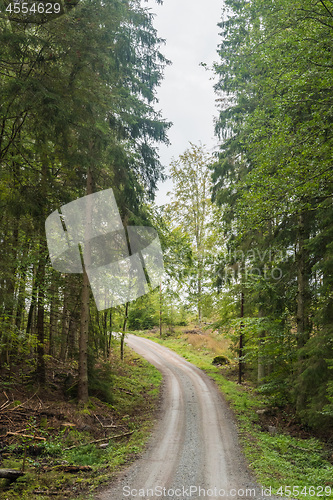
<point>186,96</point>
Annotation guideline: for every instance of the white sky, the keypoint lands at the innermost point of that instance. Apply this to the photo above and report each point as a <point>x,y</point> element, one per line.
<point>186,96</point>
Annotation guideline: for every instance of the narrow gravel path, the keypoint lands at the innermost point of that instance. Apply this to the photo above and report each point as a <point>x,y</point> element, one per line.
<point>194,451</point>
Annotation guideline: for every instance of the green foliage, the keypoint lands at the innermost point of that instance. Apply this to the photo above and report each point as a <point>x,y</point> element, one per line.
<point>314,381</point>
<point>87,455</point>
<point>101,382</point>
<point>143,313</point>
<point>273,179</point>
<point>192,216</point>
<point>220,360</point>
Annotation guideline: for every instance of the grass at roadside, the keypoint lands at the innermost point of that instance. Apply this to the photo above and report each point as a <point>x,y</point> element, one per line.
<point>91,444</point>
<point>291,466</point>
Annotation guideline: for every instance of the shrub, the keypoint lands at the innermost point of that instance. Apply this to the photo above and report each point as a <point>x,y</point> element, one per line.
<point>221,360</point>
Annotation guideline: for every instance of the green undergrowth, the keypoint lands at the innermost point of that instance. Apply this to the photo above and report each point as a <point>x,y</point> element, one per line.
<point>291,466</point>
<point>135,390</point>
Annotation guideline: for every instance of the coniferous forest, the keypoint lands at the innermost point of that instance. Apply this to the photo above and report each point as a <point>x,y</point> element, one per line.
<point>77,114</point>
<point>247,233</point>
<point>274,181</point>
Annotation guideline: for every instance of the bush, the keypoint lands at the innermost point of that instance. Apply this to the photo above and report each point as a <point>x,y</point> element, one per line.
<point>142,314</point>
<point>101,383</point>
<point>221,360</point>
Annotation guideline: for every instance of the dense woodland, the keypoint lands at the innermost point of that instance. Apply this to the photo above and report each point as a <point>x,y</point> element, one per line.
<point>77,116</point>
<point>248,233</point>
<point>274,181</point>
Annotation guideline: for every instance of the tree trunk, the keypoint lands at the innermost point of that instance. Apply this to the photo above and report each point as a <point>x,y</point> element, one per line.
<point>303,299</point>
<point>84,320</point>
<point>53,318</point>
<point>241,339</point>
<point>105,328</point>
<point>110,334</point>
<point>32,303</point>
<point>11,276</point>
<point>160,309</point>
<point>9,294</point>
<point>200,291</point>
<point>20,300</point>
<point>303,293</point>
<point>261,364</point>
<point>40,278</point>
<point>199,302</point>
<point>83,341</point>
<point>122,340</point>
<point>65,319</point>
<point>72,329</point>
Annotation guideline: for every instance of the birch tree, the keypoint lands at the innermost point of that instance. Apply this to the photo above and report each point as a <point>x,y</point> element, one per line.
<point>191,210</point>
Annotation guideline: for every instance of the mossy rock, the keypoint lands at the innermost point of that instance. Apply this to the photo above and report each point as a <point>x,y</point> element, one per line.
<point>221,360</point>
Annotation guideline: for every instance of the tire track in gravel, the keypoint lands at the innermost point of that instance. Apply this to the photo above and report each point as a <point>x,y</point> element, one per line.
<point>194,444</point>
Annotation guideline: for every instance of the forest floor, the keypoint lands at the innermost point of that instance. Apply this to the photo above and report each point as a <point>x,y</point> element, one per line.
<point>66,450</point>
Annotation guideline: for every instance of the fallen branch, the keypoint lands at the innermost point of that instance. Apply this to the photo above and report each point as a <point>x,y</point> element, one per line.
<point>46,492</point>
<point>84,444</point>
<point>121,435</point>
<point>98,441</point>
<point>23,435</point>
<point>17,432</point>
<point>6,403</point>
<point>124,390</point>
<point>21,404</point>
<point>105,426</point>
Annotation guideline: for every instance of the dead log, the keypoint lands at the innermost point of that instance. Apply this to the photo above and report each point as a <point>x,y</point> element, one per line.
<point>46,492</point>
<point>74,468</point>
<point>11,474</point>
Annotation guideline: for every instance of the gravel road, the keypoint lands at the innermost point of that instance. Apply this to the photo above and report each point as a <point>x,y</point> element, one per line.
<point>194,451</point>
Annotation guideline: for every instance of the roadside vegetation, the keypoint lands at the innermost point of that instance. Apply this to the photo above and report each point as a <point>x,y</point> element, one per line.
<point>66,450</point>
<point>280,451</point>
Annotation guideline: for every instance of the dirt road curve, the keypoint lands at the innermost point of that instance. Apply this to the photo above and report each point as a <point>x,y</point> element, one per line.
<point>194,451</point>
